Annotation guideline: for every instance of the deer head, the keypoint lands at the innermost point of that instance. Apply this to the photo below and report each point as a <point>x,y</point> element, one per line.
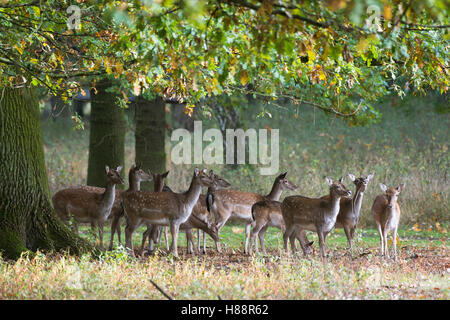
<point>139,174</point>
<point>361,183</point>
<point>218,180</point>
<point>158,179</point>
<point>338,188</point>
<point>285,184</point>
<point>203,178</point>
<point>113,176</point>
<point>391,194</point>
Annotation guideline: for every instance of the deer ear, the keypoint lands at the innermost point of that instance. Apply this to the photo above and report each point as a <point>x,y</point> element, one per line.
<point>329,181</point>
<point>205,171</point>
<point>196,171</point>
<point>383,187</point>
<point>165,174</point>
<point>400,187</point>
<point>341,179</point>
<point>370,176</point>
<point>119,168</point>
<point>211,173</point>
<point>133,166</point>
<point>107,169</point>
<point>282,175</point>
<point>352,177</point>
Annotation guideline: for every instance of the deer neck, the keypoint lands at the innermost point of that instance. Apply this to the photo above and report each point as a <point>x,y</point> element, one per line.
<point>275,193</point>
<point>109,195</point>
<point>334,205</point>
<point>357,201</point>
<point>134,183</point>
<point>191,196</point>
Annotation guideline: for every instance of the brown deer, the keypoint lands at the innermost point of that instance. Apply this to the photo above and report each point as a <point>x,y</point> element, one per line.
<point>348,216</point>
<point>135,176</point>
<point>267,213</point>
<point>237,204</point>
<point>87,206</point>
<point>163,208</point>
<point>319,215</point>
<point>386,213</point>
<point>199,219</point>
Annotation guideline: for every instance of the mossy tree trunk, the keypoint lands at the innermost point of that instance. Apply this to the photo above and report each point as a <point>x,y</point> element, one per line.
<point>150,136</point>
<point>107,135</point>
<point>27,220</point>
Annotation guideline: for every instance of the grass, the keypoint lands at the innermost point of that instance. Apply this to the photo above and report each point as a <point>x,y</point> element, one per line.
<point>421,273</point>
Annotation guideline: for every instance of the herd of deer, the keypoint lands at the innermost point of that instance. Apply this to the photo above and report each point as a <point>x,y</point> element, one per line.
<point>209,212</point>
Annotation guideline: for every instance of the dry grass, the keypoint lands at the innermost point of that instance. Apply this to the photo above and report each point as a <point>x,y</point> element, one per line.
<point>421,273</point>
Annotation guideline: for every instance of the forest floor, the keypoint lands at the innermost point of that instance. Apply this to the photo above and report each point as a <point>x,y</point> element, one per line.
<point>421,272</point>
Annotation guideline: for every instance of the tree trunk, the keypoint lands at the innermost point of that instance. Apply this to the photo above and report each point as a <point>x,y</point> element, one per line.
<point>150,136</point>
<point>27,220</point>
<point>107,135</point>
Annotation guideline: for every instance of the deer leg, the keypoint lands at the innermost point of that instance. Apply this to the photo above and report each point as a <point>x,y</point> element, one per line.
<point>255,231</point>
<point>386,249</point>
<point>129,229</point>
<point>114,223</point>
<point>204,242</point>
<point>322,244</point>
<point>189,241</point>
<point>394,242</point>
<point>198,240</point>
<point>166,237</point>
<point>145,235</point>
<point>174,228</point>
<point>100,233</point>
<point>349,236</point>
<point>247,237</point>
<point>381,239</point>
<point>261,234</point>
<point>286,235</point>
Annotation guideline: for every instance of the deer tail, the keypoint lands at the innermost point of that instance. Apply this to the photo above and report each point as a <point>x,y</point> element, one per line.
<point>209,201</point>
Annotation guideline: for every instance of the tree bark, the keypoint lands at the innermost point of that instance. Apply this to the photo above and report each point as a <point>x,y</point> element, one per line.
<point>27,220</point>
<point>150,136</point>
<point>107,135</point>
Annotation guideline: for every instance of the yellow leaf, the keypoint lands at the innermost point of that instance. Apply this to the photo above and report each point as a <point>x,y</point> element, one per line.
<point>19,49</point>
<point>243,77</point>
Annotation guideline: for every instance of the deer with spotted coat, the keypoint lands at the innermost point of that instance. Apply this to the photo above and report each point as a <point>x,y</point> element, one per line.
<point>318,215</point>
<point>163,208</point>
<point>88,204</point>
<point>237,205</point>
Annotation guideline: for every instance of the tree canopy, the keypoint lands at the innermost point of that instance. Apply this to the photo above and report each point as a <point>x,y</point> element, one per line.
<point>336,55</point>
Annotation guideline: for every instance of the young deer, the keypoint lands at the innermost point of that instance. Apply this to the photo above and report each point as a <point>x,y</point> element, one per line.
<point>267,213</point>
<point>199,219</point>
<point>312,214</point>
<point>386,213</point>
<point>237,204</point>
<point>349,208</point>
<point>163,208</point>
<point>135,176</point>
<point>86,205</point>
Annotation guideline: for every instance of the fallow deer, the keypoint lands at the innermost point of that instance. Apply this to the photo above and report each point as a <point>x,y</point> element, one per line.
<point>267,213</point>
<point>87,206</point>
<point>199,219</point>
<point>237,204</point>
<point>135,176</point>
<point>163,208</point>
<point>319,215</point>
<point>386,213</point>
<point>348,216</point>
